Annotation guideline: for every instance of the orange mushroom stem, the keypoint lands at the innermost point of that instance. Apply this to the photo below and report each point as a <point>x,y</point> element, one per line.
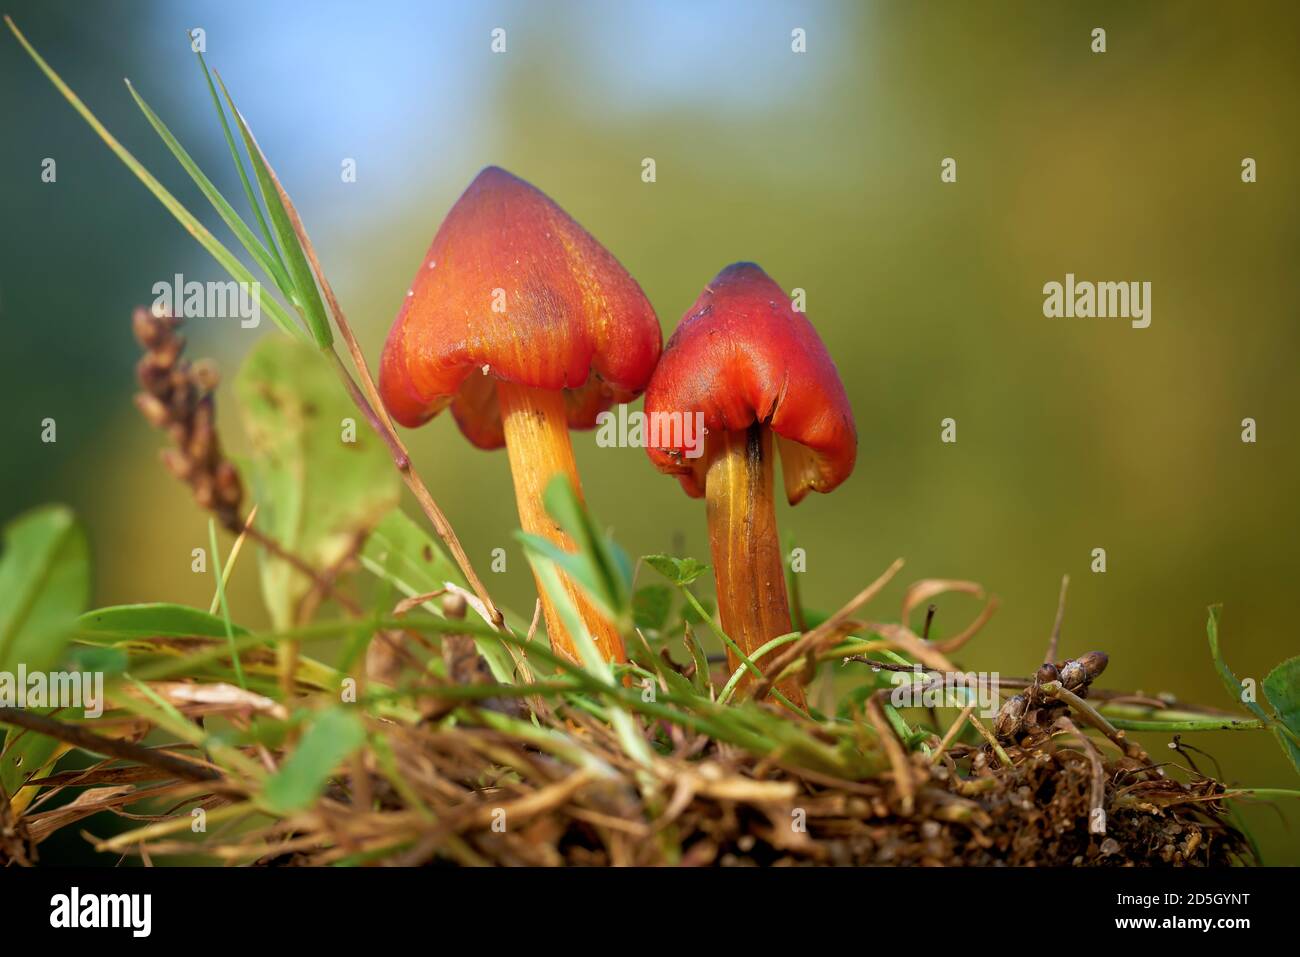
<point>537,443</point>
<point>748,569</point>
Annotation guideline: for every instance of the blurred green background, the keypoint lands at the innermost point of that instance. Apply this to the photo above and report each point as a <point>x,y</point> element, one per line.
<point>1073,434</point>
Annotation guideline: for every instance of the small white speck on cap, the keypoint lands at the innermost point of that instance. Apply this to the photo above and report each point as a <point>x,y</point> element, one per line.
<point>486,368</point>
<point>433,263</point>
<point>410,292</point>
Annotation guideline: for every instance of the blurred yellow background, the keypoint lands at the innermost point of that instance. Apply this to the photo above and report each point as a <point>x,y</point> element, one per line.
<point>824,167</point>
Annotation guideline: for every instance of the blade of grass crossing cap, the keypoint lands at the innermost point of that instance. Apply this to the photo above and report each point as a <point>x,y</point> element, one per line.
<point>306,293</point>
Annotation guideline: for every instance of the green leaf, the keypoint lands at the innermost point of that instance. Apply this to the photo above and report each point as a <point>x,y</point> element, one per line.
<point>131,621</point>
<point>1230,681</point>
<point>702,678</point>
<point>269,265</point>
<point>224,256</point>
<point>108,661</point>
<point>44,585</point>
<point>332,737</point>
<point>401,552</point>
<point>677,684</point>
<point>1282,688</point>
<point>680,571</point>
<point>665,565</point>
<point>1279,688</point>
<point>306,295</point>
<point>651,606</point>
<point>318,493</point>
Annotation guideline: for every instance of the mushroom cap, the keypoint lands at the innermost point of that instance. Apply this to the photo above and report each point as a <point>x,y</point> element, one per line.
<point>513,289</point>
<point>743,354</point>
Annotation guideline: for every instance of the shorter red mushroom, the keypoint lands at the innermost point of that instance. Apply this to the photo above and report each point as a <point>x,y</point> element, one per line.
<point>755,368</point>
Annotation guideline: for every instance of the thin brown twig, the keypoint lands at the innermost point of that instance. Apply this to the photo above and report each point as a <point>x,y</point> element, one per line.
<point>123,750</point>
<point>930,610</point>
<point>812,639</point>
<point>1055,640</point>
<point>401,458</point>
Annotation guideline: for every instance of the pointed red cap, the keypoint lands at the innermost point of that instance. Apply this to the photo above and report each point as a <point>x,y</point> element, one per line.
<point>512,288</point>
<point>743,354</point>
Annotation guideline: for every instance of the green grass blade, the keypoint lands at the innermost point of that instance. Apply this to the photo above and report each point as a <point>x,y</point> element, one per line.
<point>225,607</point>
<point>307,295</point>
<point>332,736</point>
<point>271,266</point>
<point>220,253</point>
<point>1230,681</point>
<point>239,166</point>
<point>548,577</point>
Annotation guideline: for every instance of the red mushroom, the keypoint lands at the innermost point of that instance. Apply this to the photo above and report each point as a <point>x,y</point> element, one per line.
<point>754,367</point>
<point>527,327</point>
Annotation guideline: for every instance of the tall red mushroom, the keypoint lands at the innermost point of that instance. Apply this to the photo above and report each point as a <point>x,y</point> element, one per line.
<point>527,327</point>
<point>755,368</point>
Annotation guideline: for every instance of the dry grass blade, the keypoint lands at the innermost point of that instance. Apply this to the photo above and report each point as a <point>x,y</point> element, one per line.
<point>96,744</point>
<point>955,643</point>
<point>1053,643</point>
<point>91,802</point>
<point>918,593</point>
<point>906,640</point>
<point>813,639</point>
<point>898,758</point>
<point>224,697</point>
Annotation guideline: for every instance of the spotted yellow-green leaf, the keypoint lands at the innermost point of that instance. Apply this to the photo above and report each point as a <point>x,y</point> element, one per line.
<point>321,478</point>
